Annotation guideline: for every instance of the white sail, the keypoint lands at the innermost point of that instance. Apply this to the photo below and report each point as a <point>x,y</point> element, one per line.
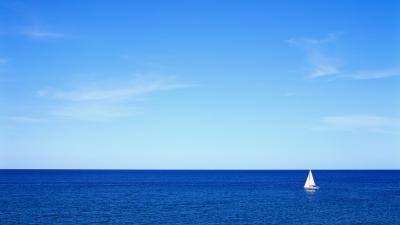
<point>310,181</point>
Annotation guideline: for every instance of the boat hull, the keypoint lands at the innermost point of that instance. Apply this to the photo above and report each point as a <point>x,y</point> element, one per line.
<point>311,188</point>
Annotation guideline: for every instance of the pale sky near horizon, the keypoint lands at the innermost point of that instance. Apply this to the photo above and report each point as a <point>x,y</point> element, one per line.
<point>200,84</point>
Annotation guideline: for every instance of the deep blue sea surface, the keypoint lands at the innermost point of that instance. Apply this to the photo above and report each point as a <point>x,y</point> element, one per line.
<point>197,197</point>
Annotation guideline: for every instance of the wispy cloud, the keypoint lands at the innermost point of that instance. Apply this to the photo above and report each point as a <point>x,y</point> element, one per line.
<point>307,42</point>
<point>3,61</point>
<point>115,91</point>
<point>324,65</point>
<point>42,34</point>
<point>99,111</point>
<point>369,123</point>
<point>365,75</point>
<point>25,119</point>
<point>107,99</point>
<point>290,94</point>
<point>155,60</point>
<point>321,64</point>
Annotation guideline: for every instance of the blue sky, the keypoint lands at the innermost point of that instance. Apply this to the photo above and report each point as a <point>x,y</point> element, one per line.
<point>200,84</point>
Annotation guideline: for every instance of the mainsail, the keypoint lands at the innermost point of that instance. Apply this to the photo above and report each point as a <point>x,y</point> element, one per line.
<point>310,181</point>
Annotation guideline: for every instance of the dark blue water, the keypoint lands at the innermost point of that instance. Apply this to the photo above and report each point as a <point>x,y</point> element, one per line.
<point>198,197</point>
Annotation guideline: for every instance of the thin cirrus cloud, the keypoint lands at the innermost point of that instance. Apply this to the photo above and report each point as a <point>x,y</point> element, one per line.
<point>290,94</point>
<point>105,100</point>
<point>41,34</point>
<point>25,119</point>
<point>369,123</point>
<point>91,111</point>
<point>3,61</point>
<point>323,65</point>
<point>120,90</point>
<point>366,75</point>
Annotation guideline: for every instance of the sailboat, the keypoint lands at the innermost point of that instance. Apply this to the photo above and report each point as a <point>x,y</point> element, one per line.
<point>310,184</point>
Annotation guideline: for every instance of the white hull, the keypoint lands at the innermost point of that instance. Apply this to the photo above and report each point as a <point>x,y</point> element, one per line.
<point>311,188</point>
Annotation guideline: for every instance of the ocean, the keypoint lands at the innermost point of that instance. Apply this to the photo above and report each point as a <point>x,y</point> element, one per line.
<point>198,197</point>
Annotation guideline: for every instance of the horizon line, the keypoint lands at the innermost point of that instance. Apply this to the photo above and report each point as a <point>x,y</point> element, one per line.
<point>120,169</point>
